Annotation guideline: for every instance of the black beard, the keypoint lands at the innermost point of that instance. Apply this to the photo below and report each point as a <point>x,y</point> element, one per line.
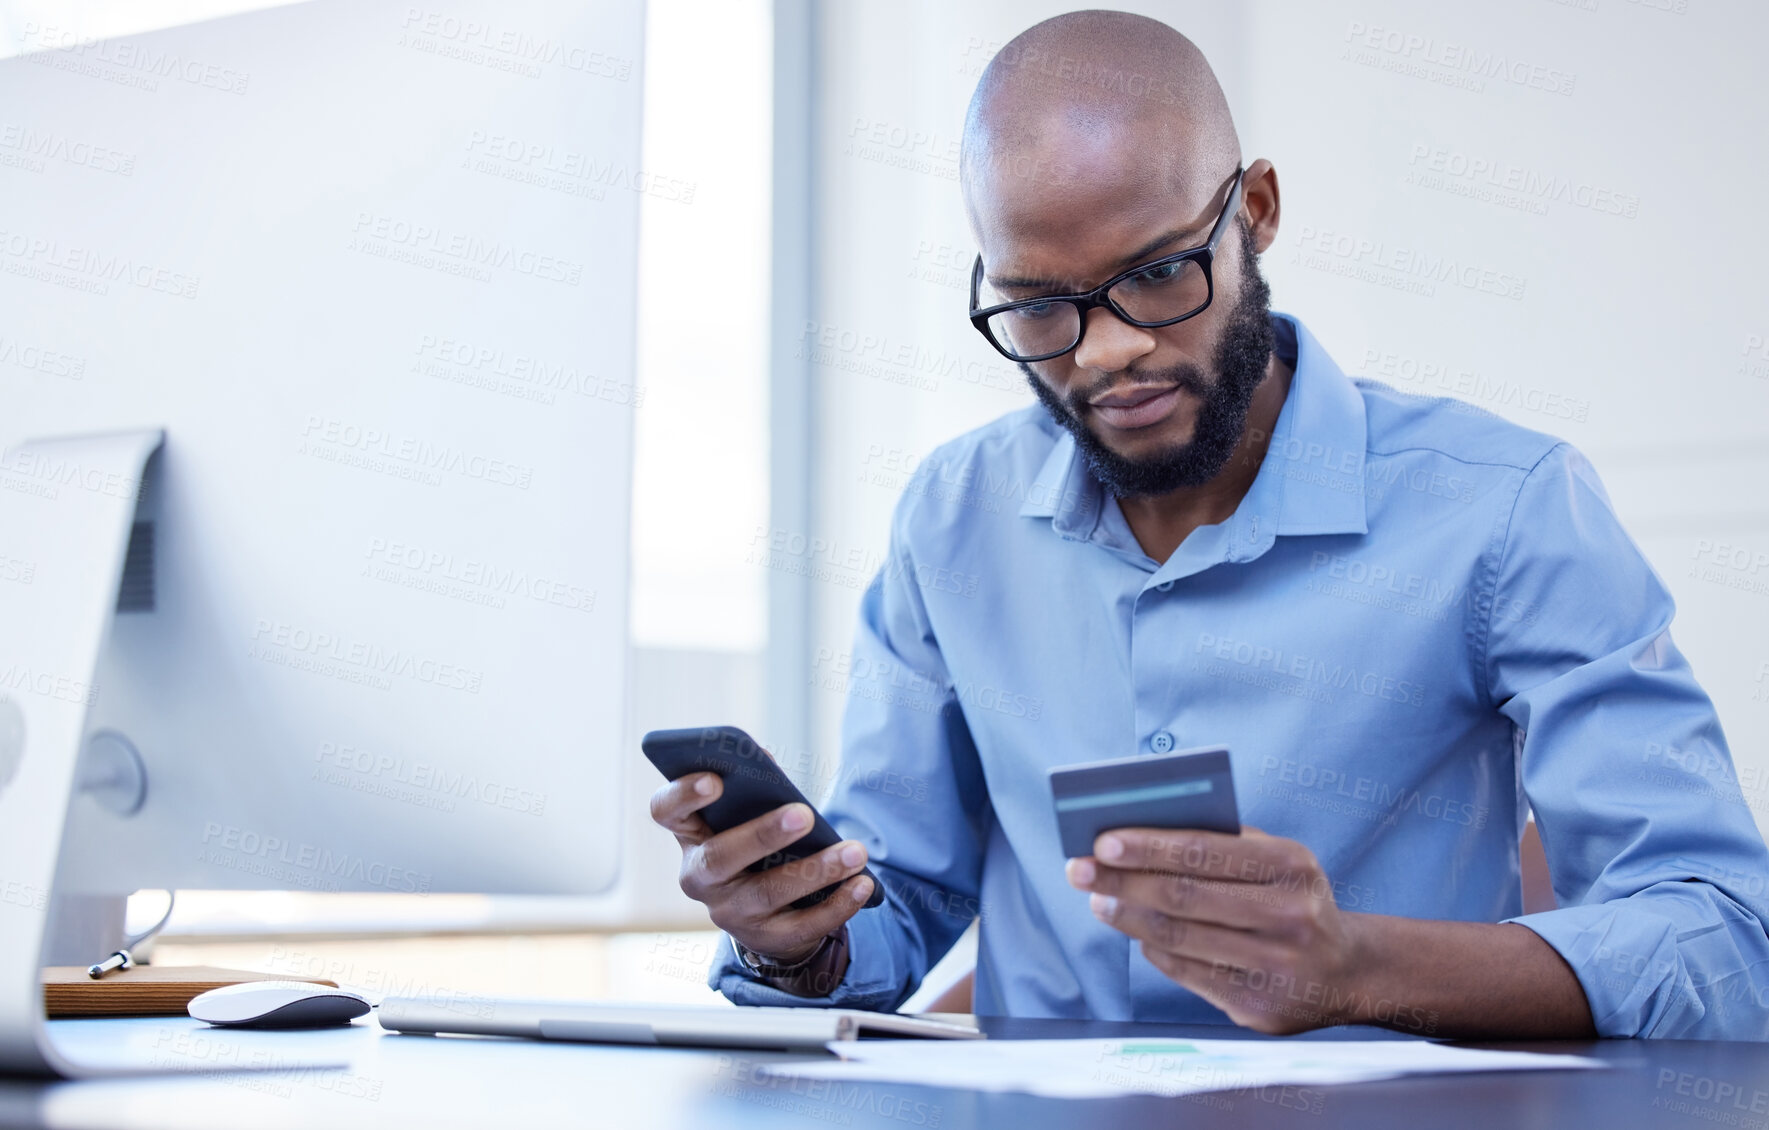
<point>1240,363</point>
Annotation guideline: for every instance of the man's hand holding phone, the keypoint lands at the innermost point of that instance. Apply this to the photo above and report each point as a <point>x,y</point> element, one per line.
<point>755,907</point>
<point>772,871</point>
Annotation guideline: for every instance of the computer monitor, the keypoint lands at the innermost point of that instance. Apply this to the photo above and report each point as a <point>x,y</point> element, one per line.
<point>370,267</point>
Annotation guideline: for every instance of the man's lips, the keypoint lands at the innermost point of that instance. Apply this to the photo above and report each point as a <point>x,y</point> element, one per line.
<point>1135,406</point>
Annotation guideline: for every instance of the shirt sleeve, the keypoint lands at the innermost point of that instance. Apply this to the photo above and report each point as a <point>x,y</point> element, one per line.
<point>909,786</point>
<point>1657,862</point>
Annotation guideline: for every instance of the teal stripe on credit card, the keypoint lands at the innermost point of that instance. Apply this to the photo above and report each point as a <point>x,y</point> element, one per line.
<point>1133,796</point>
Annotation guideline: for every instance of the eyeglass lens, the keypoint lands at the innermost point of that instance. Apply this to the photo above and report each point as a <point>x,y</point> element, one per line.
<point>1164,292</point>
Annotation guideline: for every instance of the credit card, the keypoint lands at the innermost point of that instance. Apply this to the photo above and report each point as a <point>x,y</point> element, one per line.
<point>1189,788</point>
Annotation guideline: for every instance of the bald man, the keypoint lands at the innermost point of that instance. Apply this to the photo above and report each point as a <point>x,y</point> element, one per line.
<point>1410,621</point>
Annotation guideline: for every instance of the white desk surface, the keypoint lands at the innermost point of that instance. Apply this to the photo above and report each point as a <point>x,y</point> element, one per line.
<point>425,1081</point>
<point>389,1080</point>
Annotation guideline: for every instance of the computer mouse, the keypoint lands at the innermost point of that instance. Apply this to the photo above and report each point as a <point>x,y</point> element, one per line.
<point>277,1004</point>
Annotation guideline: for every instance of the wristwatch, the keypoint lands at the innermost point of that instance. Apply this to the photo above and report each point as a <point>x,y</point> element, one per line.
<point>762,966</point>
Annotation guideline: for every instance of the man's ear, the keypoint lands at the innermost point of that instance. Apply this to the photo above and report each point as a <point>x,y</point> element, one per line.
<point>1259,196</point>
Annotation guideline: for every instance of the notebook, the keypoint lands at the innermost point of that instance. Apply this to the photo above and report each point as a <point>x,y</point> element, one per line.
<point>739,1026</point>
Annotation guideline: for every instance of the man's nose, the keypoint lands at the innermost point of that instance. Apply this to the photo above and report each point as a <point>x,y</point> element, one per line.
<point>1110,344</point>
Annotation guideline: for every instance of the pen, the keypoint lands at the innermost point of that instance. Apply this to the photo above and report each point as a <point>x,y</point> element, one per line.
<point>118,960</point>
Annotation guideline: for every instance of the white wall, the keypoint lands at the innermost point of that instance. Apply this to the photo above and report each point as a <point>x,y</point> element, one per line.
<point>1643,311</point>
<point>700,459</point>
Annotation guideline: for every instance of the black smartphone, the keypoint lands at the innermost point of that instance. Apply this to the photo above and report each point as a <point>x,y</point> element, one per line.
<point>754,785</point>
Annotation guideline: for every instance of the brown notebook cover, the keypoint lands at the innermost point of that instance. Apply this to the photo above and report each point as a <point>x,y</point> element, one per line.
<point>141,990</point>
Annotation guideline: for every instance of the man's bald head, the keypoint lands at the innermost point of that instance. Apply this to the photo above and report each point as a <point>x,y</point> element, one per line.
<point>1099,146</point>
<point>1094,88</point>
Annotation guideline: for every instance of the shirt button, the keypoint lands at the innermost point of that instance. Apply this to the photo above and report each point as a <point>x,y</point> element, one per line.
<point>1162,742</point>
<point>1164,585</point>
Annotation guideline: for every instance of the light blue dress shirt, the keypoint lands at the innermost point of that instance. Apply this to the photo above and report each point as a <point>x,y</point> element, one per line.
<point>1421,623</point>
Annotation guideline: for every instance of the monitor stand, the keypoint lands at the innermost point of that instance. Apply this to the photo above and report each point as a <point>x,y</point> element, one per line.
<point>66,509</point>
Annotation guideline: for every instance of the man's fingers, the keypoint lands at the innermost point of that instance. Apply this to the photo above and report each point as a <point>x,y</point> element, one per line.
<point>1252,857</point>
<point>1200,977</point>
<point>676,806</point>
<point>724,856</point>
<point>1294,1009</point>
<point>1207,980</point>
<point>769,892</point>
<point>1200,941</point>
<point>795,930</point>
<point>1242,906</point>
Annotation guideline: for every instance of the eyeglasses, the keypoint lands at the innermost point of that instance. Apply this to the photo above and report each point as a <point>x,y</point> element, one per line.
<point>1169,290</point>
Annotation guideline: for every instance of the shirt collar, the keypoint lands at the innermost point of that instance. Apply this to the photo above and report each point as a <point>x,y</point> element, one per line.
<point>1318,446</point>
<point>1312,477</point>
<point>1065,491</point>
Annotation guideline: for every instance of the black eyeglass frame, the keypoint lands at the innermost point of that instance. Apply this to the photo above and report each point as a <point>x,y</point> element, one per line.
<point>1205,256</point>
